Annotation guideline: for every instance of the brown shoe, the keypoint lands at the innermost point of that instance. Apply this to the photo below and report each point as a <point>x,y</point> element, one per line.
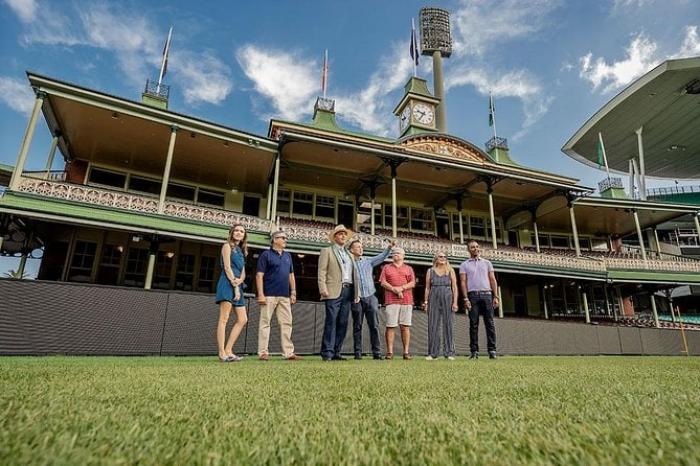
<point>407,356</point>
<point>264,357</point>
<point>294,357</point>
<point>389,355</point>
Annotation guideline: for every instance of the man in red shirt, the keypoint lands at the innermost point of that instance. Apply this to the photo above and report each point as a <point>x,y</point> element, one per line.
<point>398,281</point>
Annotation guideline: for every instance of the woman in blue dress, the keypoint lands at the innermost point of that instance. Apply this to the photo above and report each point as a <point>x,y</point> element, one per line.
<point>229,291</point>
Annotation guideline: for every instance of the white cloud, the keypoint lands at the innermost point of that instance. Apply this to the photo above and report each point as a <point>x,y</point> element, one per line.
<point>479,25</point>
<point>370,109</point>
<point>519,84</point>
<point>135,41</point>
<point>25,9</point>
<point>206,76</point>
<point>691,43</point>
<point>289,80</point>
<point>16,94</point>
<point>640,58</point>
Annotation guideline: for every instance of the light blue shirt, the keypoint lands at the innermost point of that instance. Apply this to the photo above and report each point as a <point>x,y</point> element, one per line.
<point>477,272</point>
<point>365,266</point>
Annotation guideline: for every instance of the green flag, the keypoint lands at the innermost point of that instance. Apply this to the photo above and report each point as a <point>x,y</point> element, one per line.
<point>491,110</point>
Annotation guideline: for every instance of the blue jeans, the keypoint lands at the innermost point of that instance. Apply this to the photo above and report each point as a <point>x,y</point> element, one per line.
<point>336,324</point>
<point>482,304</point>
<point>367,307</point>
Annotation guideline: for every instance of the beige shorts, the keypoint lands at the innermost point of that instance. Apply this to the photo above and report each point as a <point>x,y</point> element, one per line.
<point>398,314</point>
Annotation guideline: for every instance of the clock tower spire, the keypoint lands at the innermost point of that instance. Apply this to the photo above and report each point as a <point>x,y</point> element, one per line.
<point>417,109</point>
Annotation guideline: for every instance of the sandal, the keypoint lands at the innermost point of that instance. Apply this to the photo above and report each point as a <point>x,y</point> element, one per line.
<point>389,355</point>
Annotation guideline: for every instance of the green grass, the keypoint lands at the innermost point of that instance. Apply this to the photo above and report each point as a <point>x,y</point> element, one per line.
<point>562,410</point>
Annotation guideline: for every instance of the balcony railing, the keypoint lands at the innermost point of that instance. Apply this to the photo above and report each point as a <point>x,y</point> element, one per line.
<point>507,254</point>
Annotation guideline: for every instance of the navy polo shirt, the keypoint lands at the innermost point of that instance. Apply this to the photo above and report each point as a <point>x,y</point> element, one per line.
<point>276,268</point>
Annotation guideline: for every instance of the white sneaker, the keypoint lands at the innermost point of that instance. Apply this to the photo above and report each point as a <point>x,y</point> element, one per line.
<point>429,358</point>
<point>450,358</point>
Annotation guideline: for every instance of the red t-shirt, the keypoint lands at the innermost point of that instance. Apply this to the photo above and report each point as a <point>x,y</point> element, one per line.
<point>397,276</point>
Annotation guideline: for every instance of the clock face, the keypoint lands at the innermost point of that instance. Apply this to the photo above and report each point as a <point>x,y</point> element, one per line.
<point>404,117</point>
<point>422,113</point>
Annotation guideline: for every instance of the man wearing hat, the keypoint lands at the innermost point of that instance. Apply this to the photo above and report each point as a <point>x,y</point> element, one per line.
<point>338,284</point>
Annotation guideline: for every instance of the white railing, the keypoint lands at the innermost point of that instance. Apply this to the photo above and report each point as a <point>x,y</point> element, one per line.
<point>140,203</point>
<point>148,204</point>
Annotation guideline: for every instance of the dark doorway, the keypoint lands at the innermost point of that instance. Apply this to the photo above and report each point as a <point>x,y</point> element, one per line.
<point>513,238</point>
<point>251,205</point>
<point>443,226</point>
<point>346,214</point>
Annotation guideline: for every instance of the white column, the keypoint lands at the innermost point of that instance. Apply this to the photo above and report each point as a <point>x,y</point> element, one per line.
<point>394,228</point>
<point>656,241</point>
<point>544,302</point>
<point>607,300</point>
<point>166,172</point>
<point>697,227</point>
<point>461,228</point>
<point>537,236</point>
<point>52,153</point>
<point>22,264</point>
<point>585,307</point>
<point>642,170</point>
<point>269,201</point>
<point>574,230</point>
<point>149,270</point>
<point>639,234</point>
<point>275,188</point>
<point>653,310</point>
<point>26,142</point>
<point>494,241</point>
<point>371,220</point>
<point>500,303</point>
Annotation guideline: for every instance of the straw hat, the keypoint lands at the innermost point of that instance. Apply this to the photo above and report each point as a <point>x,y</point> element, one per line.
<point>339,229</point>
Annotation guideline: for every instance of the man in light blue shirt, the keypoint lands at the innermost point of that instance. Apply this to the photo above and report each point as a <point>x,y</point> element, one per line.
<point>367,305</point>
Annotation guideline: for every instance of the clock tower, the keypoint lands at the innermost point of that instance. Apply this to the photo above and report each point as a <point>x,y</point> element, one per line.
<point>417,109</point>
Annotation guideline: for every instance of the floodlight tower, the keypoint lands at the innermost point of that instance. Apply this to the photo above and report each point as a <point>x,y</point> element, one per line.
<point>436,40</point>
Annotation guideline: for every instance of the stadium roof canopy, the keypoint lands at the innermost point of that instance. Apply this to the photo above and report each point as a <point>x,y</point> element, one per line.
<point>666,103</point>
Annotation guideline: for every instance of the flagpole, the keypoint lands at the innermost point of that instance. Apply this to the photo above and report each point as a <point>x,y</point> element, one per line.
<point>325,73</point>
<point>605,157</point>
<point>165,59</point>
<point>493,112</point>
<point>414,46</point>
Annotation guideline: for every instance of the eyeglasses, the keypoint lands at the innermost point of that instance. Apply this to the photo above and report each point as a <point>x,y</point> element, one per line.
<point>442,257</point>
<point>283,238</point>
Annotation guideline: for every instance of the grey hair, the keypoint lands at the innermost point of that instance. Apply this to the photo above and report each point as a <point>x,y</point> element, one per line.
<point>276,233</point>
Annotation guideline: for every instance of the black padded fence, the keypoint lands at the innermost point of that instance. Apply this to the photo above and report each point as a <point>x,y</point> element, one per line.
<point>38,318</point>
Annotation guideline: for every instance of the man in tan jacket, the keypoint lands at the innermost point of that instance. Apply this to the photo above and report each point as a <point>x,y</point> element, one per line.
<point>338,284</point>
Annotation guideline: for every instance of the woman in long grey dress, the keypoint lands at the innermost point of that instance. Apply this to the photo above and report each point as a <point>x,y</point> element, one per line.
<point>440,304</point>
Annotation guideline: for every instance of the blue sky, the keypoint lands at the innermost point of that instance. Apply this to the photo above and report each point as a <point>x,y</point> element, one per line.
<point>550,64</point>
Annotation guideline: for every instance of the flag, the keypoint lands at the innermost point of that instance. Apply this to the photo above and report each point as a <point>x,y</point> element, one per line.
<point>492,110</point>
<point>414,45</point>
<point>166,51</point>
<point>324,74</point>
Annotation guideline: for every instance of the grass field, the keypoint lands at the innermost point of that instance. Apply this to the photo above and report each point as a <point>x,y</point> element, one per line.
<point>563,410</point>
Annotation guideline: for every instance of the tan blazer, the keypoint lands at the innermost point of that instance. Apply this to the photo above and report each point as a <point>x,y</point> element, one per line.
<point>330,275</point>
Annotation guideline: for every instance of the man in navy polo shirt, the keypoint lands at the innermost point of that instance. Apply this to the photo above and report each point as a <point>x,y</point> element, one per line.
<point>276,290</point>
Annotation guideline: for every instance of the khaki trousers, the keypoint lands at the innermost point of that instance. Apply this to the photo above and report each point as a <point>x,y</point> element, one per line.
<point>282,307</point>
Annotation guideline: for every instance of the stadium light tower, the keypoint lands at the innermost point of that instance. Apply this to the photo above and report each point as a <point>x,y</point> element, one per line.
<point>436,40</point>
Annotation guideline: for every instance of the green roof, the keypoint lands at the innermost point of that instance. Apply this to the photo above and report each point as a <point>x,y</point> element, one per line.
<point>6,168</point>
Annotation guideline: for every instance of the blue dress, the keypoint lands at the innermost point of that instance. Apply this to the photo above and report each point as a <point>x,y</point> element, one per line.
<point>224,290</point>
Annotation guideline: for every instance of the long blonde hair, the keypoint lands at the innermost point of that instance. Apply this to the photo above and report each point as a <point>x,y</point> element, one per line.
<point>450,270</point>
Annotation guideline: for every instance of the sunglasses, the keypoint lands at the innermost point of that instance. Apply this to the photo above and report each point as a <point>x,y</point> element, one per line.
<point>442,257</point>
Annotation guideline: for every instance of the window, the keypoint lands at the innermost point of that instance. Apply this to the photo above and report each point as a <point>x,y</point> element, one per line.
<point>161,272</point>
<point>184,278</point>
<point>283,202</point>
<point>401,216</point>
<point>455,225</point>
<point>136,263</point>
<point>364,216</point>
<point>107,178</point>
<point>303,204</point>
<point>325,206</point>
<point>584,243</point>
<point>207,269</point>
<point>181,192</point>
<point>211,198</point>
<point>560,241</point>
<point>83,259</point>
<point>498,229</point>
<point>144,185</point>
<point>476,227</point>
<point>108,273</point>
<point>421,219</point>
